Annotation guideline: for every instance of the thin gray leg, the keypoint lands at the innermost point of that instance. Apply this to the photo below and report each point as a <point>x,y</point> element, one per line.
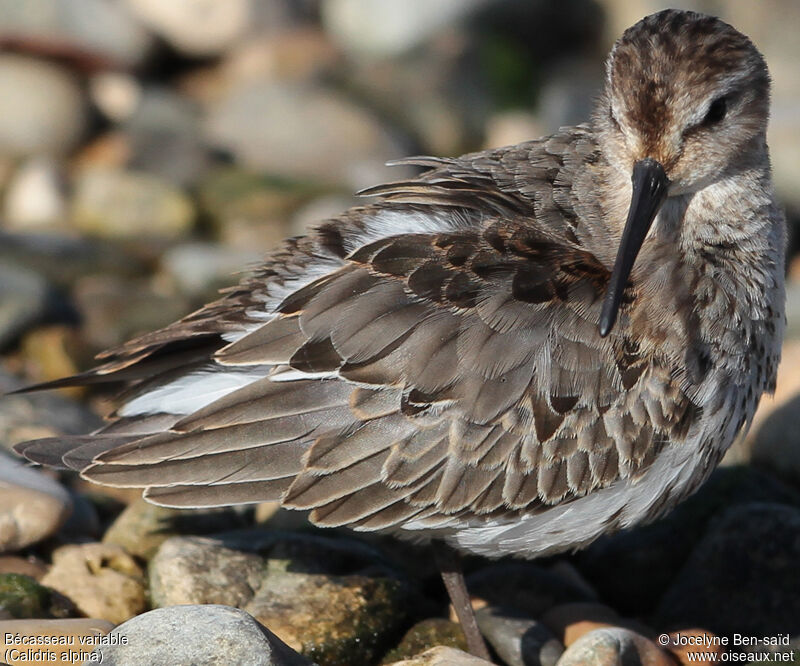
<point>449,563</point>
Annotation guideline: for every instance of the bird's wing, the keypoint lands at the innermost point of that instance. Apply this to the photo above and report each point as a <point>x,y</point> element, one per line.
<point>452,369</point>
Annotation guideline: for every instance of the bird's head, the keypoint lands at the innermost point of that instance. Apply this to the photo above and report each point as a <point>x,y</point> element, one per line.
<point>686,102</point>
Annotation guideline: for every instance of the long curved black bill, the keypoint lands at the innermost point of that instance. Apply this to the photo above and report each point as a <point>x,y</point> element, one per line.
<point>650,184</point>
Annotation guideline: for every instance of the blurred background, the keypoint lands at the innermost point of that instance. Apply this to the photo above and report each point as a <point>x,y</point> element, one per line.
<point>149,149</point>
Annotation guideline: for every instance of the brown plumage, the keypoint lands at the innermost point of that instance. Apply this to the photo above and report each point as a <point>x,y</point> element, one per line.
<point>431,364</point>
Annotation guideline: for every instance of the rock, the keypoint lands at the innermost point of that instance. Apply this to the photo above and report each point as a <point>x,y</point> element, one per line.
<point>742,577</point>
<point>101,579</point>
<point>518,640</point>
<point>632,570</point>
<point>114,309</point>
<point>202,268</point>
<point>32,567</point>
<point>525,587</point>
<point>125,204</point>
<point>609,647</point>
<point>195,570</point>
<point>442,656</point>
<point>182,635</point>
<point>569,622</point>
<point>32,505</point>
<point>163,132</point>
<point>52,352</point>
<point>61,259</point>
<point>59,642</point>
<point>328,598</point>
<point>382,28</point>
<point>34,196</point>
<point>22,597</point>
<point>249,211</point>
<point>776,445</point>
<point>83,523</point>
<point>115,94</point>
<point>33,415</point>
<point>142,527</point>
<point>85,30</point>
<point>42,109</point>
<point>303,132</point>
<point>687,645</point>
<point>427,634</point>
<point>24,301</point>
<point>196,27</point>
<point>331,619</point>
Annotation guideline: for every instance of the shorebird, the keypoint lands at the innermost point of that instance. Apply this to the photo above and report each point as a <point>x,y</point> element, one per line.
<point>515,352</point>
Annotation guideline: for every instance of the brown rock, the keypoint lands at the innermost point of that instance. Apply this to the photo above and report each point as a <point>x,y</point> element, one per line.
<point>569,622</point>
<point>101,579</point>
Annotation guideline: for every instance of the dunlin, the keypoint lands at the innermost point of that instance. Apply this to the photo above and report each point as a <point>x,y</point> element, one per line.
<point>513,353</point>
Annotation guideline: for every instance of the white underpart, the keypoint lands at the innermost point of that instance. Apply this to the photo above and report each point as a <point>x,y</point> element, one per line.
<point>195,390</point>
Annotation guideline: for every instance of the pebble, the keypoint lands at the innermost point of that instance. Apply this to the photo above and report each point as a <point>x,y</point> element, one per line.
<point>102,580</point>
<point>331,619</point>
<point>199,269</point>
<point>210,634</point>
<point>442,656</point>
<point>198,570</point>
<point>383,28</point>
<point>518,640</point>
<point>75,636</point>
<point>742,577</point>
<point>32,505</point>
<point>34,197</point>
<point>142,527</point>
<point>32,415</point>
<point>94,29</point>
<point>115,94</point>
<point>24,301</point>
<point>42,109</point>
<point>163,134</point>
<point>303,132</point>
<point>198,28</point>
<point>614,646</point>
<point>113,309</point>
<point>569,622</point>
<point>112,203</point>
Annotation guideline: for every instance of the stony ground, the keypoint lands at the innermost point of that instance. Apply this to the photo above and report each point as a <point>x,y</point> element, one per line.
<point>150,149</point>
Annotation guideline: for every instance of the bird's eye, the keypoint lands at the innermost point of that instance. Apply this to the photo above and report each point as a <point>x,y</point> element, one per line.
<point>716,112</point>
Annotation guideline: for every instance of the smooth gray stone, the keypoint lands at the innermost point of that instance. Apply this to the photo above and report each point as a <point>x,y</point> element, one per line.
<point>518,640</point>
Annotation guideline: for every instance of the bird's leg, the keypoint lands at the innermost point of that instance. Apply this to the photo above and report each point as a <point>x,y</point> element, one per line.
<point>449,564</point>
